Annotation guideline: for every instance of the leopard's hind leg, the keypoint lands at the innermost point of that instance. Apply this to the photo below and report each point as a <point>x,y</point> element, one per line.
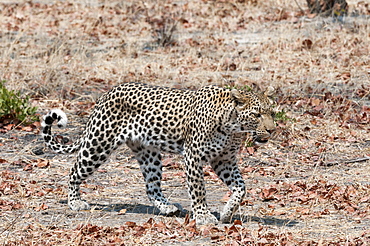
<point>150,162</point>
<point>93,153</point>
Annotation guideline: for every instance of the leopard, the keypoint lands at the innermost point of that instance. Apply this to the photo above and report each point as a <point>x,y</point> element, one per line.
<point>207,126</point>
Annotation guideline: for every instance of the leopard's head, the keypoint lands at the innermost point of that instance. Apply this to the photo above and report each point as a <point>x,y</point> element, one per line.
<point>255,114</point>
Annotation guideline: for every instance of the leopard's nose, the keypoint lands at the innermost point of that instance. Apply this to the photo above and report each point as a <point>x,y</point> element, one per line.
<point>271,131</point>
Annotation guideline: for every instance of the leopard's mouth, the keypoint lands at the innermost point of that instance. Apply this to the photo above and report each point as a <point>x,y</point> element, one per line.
<point>260,141</point>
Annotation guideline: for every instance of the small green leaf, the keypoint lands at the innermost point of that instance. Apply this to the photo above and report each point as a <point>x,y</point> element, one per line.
<point>16,107</point>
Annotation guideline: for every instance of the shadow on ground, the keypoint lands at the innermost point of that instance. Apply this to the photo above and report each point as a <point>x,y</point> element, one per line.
<point>146,209</point>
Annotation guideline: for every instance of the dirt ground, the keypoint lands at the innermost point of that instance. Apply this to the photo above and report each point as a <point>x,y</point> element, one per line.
<point>308,186</point>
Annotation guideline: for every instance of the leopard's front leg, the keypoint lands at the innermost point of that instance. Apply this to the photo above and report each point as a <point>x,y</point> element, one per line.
<point>228,171</point>
<point>197,191</point>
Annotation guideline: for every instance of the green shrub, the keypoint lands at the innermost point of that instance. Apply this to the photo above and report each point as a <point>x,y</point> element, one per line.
<point>248,143</point>
<point>239,87</point>
<point>15,107</point>
<point>281,115</point>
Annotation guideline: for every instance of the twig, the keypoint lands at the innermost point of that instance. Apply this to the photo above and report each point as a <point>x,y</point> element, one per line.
<point>333,163</point>
<point>11,224</point>
<point>299,6</point>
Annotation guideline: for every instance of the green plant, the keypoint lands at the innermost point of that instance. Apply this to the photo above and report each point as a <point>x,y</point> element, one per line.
<point>248,143</point>
<point>239,87</point>
<point>15,107</point>
<point>281,115</point>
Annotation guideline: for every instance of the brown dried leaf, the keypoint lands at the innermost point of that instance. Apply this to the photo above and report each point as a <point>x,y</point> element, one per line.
<point>130,224</point>
<point>41,163</point>
<point>307,44</point>
<point>41,207</point>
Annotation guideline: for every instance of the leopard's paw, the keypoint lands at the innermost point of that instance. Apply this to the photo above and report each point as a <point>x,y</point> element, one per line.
<point>206,218</point>
<point>78,205</point>
<point>170,209</point>
<point>226,217</point>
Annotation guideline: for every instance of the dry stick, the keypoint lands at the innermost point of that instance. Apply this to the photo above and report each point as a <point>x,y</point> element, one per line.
<point>299,6</point>
<point>11,224</point>
<point>361,159</point>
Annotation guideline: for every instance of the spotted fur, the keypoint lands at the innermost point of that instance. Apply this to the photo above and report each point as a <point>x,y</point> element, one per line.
<point>206,126</point>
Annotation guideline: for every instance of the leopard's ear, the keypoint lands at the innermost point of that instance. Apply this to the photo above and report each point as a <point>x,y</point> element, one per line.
<point>269,94</point>
<point>238,97</point>
<point>270,91</point>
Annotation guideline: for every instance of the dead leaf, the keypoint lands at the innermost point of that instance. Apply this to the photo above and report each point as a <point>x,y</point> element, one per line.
<point>307,44</point>
<point>315,101</point>
<point>41,163</point>
<point>27,128</point>
<point>130,224</point>
<point>28,167</point>
<point>238,222</point>
<point>41,207</point>
<point>251,150</point>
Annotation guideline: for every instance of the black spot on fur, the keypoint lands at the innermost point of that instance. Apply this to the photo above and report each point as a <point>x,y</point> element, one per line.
<point>49,120</point>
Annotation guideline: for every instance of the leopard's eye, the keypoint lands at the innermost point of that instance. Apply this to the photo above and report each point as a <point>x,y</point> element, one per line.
<point>239,103</point>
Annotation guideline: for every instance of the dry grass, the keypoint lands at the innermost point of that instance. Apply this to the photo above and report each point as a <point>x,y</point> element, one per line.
<point>65,54</point>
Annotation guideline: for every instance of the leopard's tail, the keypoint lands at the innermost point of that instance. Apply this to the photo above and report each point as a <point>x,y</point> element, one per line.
<point>48,119</point>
